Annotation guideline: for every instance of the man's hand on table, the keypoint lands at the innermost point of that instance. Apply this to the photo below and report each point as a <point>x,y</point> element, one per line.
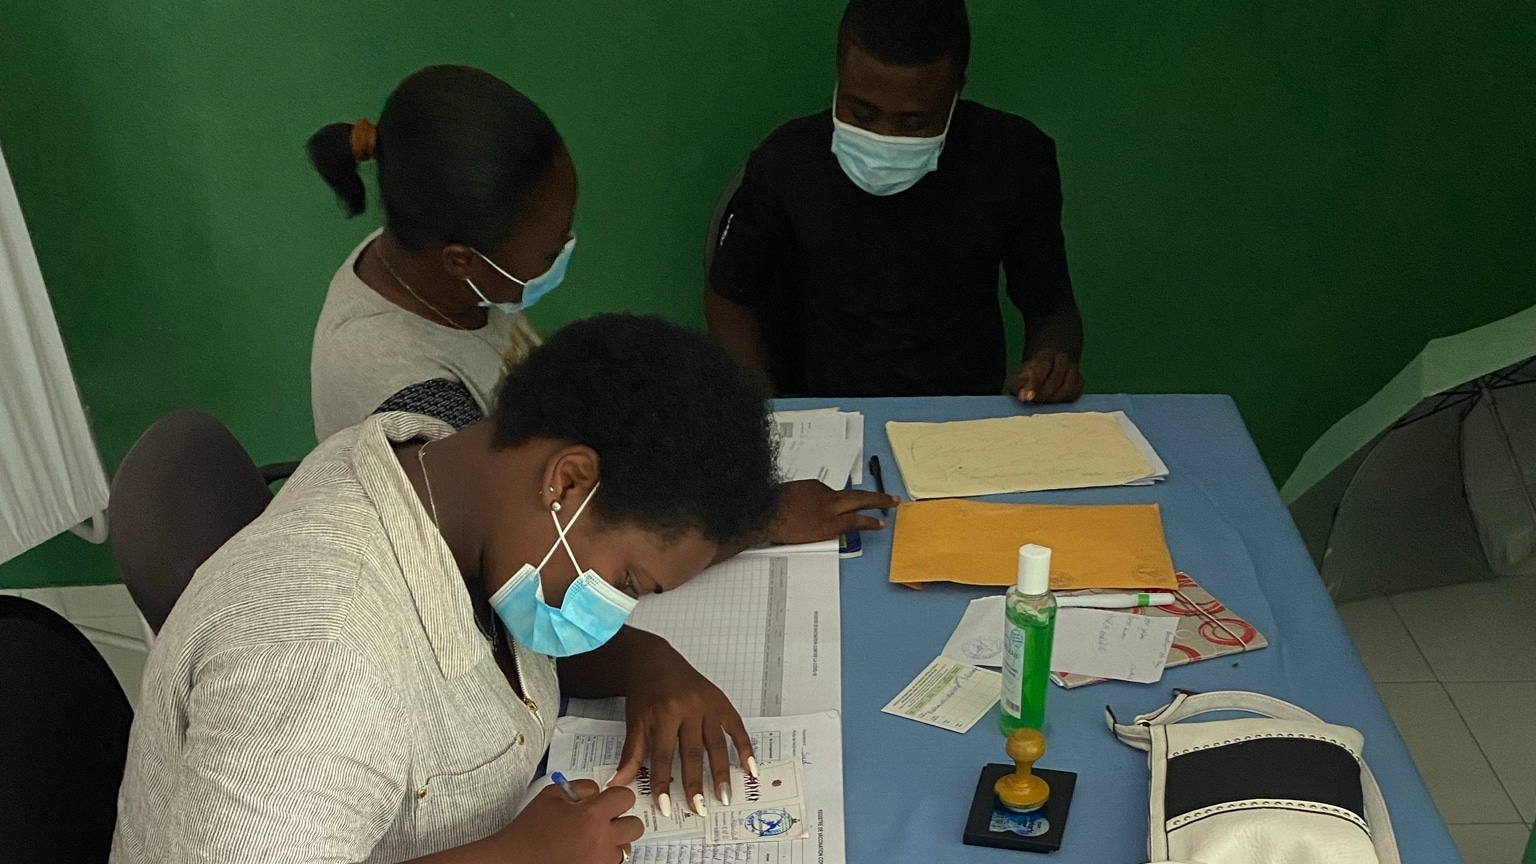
<point>1051,375</point>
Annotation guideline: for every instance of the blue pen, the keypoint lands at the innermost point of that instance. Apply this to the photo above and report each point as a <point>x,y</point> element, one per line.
<point>565,786</point>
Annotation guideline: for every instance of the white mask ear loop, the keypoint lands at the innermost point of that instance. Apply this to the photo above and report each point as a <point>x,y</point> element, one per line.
<point>497,267</point>
<point>560,530</point>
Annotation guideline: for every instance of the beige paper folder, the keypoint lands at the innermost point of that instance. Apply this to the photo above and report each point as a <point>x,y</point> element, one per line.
<point>973,543</point>
<point>962,458</point>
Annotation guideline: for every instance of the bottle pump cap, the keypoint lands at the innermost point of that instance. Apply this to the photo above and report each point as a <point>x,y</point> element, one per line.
<point>1034,569</point>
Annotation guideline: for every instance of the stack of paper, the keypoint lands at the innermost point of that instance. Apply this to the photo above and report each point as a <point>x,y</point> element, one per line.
<point>821,444</point>
<point>1022,454</point>
<point>1093,642</point>
<point>1092,645</point>
<point>765,628</point>
<point>1206,629</point>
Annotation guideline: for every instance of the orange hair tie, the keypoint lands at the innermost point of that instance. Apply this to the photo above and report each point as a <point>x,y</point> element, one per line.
<point>363,134</point>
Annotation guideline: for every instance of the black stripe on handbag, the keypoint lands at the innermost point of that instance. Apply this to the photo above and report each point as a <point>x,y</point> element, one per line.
<point>1294,769</point>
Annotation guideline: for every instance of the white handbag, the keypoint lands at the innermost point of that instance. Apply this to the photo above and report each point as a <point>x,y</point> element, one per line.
<point>1285,789</point>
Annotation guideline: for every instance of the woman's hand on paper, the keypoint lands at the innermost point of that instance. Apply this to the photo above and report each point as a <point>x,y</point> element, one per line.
<point>671,708</point>
<point>809,511</point>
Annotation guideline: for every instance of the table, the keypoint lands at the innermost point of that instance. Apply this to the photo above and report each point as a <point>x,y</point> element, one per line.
<point>909,786</point>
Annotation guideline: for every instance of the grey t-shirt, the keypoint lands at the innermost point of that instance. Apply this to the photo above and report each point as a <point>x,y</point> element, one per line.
<point>370,354</point>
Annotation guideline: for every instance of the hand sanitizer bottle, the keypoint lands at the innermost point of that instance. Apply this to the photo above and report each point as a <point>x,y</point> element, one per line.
<point>1028,627</point>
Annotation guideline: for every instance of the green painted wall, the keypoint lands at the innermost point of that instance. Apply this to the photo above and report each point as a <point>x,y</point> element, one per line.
<point>1277,200</point>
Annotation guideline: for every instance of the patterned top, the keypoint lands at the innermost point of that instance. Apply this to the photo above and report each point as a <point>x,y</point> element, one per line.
<point>368,351</point>
<point>321,692</point>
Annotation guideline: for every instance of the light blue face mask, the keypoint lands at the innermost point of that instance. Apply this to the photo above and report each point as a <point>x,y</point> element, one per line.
<point>885,164</point>
<point>534,288</point>
<point>592,612</point>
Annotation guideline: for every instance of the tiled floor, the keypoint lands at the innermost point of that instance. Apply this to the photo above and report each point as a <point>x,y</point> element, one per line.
<point>1457,669</point>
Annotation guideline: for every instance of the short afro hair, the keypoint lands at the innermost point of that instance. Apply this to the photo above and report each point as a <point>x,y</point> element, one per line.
<point>681,429</point>
<point>908,32</point>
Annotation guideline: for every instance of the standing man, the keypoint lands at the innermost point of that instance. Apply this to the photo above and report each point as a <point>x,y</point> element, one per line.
<point>860,255</point>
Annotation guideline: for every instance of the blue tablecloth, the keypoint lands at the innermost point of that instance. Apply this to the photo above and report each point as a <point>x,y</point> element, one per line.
<point>908,786</point>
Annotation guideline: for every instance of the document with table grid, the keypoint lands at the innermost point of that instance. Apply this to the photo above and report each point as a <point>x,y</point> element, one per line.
<point>765,628</point>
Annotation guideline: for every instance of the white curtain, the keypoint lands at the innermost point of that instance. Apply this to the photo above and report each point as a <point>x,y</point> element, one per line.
<point>51,479</point>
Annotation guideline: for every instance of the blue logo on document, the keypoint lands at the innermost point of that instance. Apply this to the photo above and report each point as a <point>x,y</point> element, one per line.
<point>1022,824</point>
<point>770,822</point>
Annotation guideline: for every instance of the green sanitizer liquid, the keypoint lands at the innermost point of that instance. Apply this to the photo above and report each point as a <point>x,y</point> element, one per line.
<point>1029,626</point>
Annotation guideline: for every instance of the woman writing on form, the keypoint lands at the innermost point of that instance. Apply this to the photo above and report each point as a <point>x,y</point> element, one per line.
<point>368,672</point>
<point>479,197</point>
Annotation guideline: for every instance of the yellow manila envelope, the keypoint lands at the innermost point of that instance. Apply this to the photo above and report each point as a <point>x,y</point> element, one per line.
<point>975,543</point>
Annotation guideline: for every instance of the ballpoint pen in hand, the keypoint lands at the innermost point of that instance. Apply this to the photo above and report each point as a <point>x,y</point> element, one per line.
<point>565,785</point>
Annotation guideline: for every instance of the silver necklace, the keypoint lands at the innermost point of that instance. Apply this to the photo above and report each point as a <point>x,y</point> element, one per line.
<point>426,480</point>
<point>419,299</point>
<point>438,312</point>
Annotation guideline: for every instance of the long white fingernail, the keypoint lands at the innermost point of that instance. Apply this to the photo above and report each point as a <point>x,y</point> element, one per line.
<point>725,794</point>
<point>664,804</point>
<point>752,766</point>
<point>698,804</point>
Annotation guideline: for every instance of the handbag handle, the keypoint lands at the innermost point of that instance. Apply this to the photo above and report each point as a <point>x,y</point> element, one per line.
<point>1186,704</point>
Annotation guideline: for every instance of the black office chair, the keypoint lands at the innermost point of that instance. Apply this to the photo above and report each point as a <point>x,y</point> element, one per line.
<point>63,740</point>
<point>185,488</point>
<point>782,320</point>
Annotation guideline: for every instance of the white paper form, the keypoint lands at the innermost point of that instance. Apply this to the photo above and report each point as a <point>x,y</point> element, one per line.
<point>765,628</point>
<point>769,550</point>
<point>1159,467</point>
<point>855,432</point>
<point>763,808</point>
<point>979,638</point>
<point>581,747</point>
<point>821,444</point>
<point>948,694</point>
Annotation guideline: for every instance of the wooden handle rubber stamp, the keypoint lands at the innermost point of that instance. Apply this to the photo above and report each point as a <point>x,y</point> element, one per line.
<point>1023,791</point>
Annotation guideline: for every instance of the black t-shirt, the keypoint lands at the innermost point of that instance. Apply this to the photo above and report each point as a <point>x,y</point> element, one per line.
<point>897,295</point>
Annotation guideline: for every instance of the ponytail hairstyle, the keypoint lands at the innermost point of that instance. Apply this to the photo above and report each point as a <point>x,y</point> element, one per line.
<point>460,153</point>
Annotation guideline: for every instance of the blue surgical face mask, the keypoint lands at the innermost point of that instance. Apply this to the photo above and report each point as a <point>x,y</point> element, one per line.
<point>885,164</point>
<point>592,612</point>
<point>534,288</point>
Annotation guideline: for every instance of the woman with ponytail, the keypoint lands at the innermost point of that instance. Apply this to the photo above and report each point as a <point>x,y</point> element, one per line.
<point>479,194</point>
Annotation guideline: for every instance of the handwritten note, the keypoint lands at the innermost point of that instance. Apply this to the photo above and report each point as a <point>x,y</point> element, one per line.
<point>1115,645</point>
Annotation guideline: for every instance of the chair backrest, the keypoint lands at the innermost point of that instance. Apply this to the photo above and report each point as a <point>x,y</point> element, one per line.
<point>185,488</point>
<point>63,739</point>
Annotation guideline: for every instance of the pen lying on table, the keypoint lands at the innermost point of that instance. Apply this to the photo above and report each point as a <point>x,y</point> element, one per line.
<point>1113,601</point>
